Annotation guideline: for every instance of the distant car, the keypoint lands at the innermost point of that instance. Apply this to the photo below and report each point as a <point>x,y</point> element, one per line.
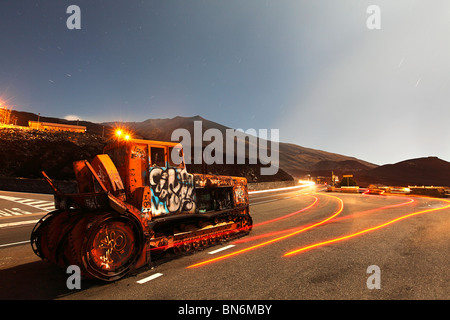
<point>400,190</point>
<point>372,189</point>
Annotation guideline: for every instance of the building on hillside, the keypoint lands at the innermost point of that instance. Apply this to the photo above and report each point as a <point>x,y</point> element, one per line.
<point>55,126</point>
<point>5,116</point>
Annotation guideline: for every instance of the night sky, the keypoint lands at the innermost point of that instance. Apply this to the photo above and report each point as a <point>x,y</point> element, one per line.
<point>312,69</point>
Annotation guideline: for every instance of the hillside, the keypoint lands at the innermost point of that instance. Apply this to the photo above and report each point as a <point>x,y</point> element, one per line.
<point>299,161</point>
<point>293,159</point>
<point>91,127</point>
<point>26,153</point>
<point>420,171</point>
<point>30,152</point>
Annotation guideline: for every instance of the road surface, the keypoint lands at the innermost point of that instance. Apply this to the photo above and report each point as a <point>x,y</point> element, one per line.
<point>360,247</point>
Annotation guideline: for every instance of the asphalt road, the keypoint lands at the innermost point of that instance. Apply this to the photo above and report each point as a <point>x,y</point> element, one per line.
<point>404,259</point>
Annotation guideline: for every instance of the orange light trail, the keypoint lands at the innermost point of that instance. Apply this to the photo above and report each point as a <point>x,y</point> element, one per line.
<point>341,207</point>
<point>241,229</point>
<point>319,244</point>
<point>376,209</point>
<point>273,233</point>
<point>288,215</point>
<point>367,192</point>
<point>304,185</point>
<point>265,235</point>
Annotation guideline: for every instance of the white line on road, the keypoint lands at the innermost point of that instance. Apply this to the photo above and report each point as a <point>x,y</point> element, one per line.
<point>309,184</point>
<point>38,204</point>
<point>12,212</point>
<point>5,214</point>
<point>14,243</point>
<point>265,201</point>
<point>48,207</point>
<point>31,201</point>
<point>252,204</point>
<point>221,249</point>
<point>154,276</point>
<point>13,224</point>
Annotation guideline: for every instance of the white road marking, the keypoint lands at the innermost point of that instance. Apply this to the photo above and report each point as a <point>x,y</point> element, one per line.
<point>13,212</point>
<point>154,276</point>
<point>32,201</point>
<point>222,249</point>
<point>309,184</point>
<point>14,243</point>
<point>48,206</point>
<point>38,204</point>
<point>19,223</point>
<point>5,214</point>
<point>252,204</point>
<point>265,201</point>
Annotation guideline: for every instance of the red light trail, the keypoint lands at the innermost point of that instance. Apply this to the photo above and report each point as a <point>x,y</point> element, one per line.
<point>410,201</point>
<point>304,185</point>
<point>180,243</point>
<point>341,207</point>
<point>288,215</point>
<point>273,233</point>
<point>319,244</point>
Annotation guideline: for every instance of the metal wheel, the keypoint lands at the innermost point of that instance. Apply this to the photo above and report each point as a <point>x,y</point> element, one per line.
<point>36,234</point>
<point>111,248</point>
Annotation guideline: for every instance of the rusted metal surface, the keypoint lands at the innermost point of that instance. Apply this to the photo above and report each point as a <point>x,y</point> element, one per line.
<point>107,173</point>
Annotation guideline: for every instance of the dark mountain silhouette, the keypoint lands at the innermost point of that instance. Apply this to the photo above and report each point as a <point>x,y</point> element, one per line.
<point>428,171</point>
<point>345,165</point>
<point>293,159</point>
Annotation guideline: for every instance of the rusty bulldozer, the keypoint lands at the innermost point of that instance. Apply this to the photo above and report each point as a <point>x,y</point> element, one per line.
<point>134,202</point>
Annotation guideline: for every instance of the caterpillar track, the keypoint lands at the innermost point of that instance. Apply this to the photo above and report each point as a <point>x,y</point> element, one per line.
<point>134,206</point>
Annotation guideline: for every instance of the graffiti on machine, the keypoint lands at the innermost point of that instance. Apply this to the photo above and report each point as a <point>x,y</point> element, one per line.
<point>172,190</point>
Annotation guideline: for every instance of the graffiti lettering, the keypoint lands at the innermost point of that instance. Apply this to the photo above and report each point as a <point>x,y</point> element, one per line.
<point>172,190</point>
<point>239,193</point>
